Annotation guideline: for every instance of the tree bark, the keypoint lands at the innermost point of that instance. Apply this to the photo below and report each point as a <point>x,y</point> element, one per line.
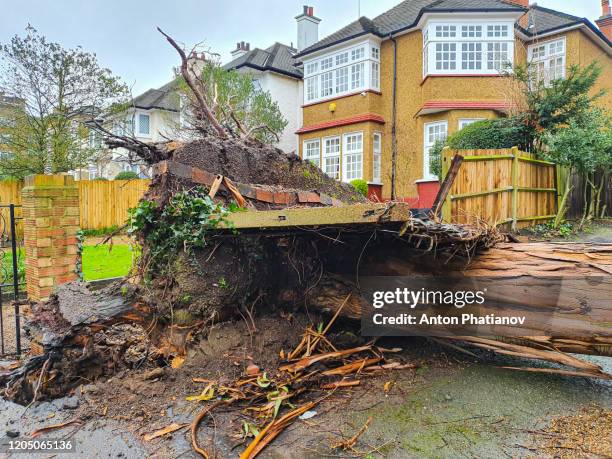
<point>562,289</point>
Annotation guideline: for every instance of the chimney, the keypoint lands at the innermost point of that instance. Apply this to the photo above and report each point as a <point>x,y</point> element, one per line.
<point>307,28</point>
<point>605,21</point>
<point>241,49</point>
<point>523,3</point>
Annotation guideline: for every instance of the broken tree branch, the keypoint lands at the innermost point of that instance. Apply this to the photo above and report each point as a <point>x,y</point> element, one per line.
<point>195,87</point>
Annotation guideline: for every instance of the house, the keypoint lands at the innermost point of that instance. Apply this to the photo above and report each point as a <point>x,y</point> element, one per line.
<point>275,70</point>
<point>379,92</point>
<point>153,116</point>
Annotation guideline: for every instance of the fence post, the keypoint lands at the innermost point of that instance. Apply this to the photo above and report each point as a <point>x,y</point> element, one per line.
<point>51,217</point>
<point>446,206</point>
<point>560,184</point>
<point>515,171</point>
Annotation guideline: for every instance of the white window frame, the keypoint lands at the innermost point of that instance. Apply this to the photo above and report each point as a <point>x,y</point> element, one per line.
<point>427,175</point>
<point>377,158</point>
<point>139,131</point>
<point>312,89</point>
<point>346,154</point>
<point>354,68</point>
<point>439,38</point>
<point>540,56</point>
<point>316,160</point>
<point>463,122</point>
<point>326,155</point>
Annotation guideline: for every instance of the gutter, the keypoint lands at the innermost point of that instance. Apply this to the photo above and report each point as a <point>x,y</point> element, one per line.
<point>394,121</point>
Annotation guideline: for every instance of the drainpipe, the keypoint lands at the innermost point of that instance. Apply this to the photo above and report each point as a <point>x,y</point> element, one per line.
<point>393,122</point>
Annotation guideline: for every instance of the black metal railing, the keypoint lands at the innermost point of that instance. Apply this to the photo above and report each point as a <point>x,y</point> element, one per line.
<point>13,277</point>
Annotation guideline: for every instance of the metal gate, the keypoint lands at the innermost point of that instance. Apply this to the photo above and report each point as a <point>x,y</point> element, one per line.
<point>12,276</point>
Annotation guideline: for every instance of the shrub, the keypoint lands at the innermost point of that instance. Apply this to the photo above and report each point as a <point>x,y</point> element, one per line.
<point>126,175</point>
<point>101,179</point>
<point>435,158</point>
<point>496,133</point>
<point>361,186</point>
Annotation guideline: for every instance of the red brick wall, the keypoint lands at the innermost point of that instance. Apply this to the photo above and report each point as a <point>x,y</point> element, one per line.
<point>51,221</point>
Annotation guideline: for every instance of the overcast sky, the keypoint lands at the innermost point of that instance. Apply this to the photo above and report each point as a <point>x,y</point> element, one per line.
<point>122,32</point>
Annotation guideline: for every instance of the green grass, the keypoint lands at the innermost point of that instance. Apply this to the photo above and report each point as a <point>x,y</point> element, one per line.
<point>100,263</point>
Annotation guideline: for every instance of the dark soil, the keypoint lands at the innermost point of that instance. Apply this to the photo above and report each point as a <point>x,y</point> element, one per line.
<point>258,164</point>
<point>151,398</point>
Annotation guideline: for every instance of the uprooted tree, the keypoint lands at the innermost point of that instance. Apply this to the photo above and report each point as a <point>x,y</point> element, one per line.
<point>204,259</point>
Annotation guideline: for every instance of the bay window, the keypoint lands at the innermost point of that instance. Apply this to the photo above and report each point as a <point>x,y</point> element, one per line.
<point>342,72</point>
<point>467,48</point>
<point>547,61</point>
<point>331,157</point>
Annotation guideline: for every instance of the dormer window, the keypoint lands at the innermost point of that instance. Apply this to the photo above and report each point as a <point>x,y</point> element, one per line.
<point>350,70</point>
<point>467,48</point>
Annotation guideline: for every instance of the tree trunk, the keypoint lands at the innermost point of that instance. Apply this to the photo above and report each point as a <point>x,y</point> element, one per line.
<point>562,289</point>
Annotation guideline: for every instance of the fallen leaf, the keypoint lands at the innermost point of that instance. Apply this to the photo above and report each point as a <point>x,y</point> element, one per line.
<point>207,394</point>
<point>165,431</point>
<point>387,386</point>
<point>281,354</point>
<point>177,362</point>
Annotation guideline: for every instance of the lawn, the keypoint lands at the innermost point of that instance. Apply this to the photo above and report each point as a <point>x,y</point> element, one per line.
<point>98,262</point>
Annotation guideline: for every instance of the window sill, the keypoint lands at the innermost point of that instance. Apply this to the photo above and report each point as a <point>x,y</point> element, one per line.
<point>375,183</point>
<point>467,75</point>
<point>427,180</point>
<point>342,96</point>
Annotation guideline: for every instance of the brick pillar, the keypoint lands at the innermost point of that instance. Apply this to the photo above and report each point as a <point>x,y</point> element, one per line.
<point>51,221</point>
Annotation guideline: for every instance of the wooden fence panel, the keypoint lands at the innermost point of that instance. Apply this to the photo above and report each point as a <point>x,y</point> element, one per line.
<point>106,203</point>
<point>10,193</point>
<point>499,187</point>
<point>102,203</point>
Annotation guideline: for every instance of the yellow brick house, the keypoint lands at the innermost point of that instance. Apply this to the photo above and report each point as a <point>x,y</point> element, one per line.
<point>379,92</point>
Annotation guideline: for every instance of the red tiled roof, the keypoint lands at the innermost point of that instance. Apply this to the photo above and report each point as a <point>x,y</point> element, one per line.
<point>433,106</point>
<point>342,122</point>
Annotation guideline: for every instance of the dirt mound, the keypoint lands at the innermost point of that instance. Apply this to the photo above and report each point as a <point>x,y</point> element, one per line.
<point>255,163</point>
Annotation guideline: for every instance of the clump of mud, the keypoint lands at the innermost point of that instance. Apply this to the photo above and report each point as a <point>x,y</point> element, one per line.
<point>249,162</point>
<point>255,163</point>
